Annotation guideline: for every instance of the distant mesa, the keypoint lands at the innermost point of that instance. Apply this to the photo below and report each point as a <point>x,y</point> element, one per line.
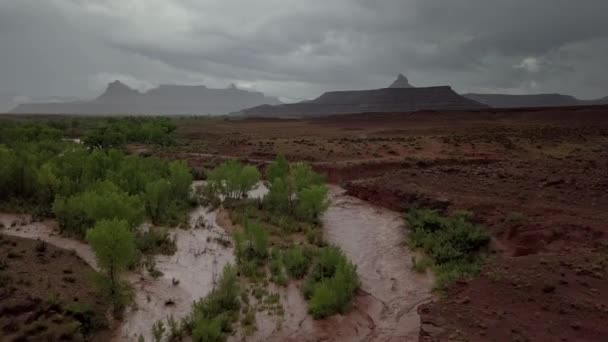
<point>400,96</point>
<point>401,82</point>
<point>532,100</point>
<point>118,98</point>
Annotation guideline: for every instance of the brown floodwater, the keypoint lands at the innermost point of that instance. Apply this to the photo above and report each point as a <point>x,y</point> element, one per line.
<point>385,307</point>
<point>372,238</point>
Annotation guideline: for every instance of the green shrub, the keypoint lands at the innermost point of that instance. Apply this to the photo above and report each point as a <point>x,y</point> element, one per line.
<point>296,262</point>
<point>451,244</point>
<point>277,169</point>
<point>251,244</point>
<point>104,201</point>
<point>114,246</point>
<point>312,201</point>
<point>331,284</point>
<point>277,268</point>
<point>213,315</point>
<point>208,330</point>
<point>155,241</point>
<point>233,180</point>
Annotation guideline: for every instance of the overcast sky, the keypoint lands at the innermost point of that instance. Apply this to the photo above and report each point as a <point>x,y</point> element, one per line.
<point>300,48</point>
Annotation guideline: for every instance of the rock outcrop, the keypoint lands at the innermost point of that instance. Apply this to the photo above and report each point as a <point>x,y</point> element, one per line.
<point>401,82</point>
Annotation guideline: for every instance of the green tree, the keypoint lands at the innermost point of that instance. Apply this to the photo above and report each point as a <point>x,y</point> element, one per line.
<point>114,246</point>
<point>157,198</point>
<point>312,202</point>
<point>277,169</point>
<point>233,180</point>
<point>303,176</point>
<point>103,201</point>
<point>278,197</point>
<point>180,179</point>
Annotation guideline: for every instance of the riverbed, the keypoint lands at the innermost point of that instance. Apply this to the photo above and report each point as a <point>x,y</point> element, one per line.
<point>372,237</point>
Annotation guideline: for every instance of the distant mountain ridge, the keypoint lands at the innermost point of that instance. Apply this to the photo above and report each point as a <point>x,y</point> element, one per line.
<point>119,98</point>
<point>399,97</point>
<point>533,100</point>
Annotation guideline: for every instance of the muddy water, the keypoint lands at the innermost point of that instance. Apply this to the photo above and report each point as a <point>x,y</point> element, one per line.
<point>385,309</point>
<point>372,237</point>
<point>188,275</point>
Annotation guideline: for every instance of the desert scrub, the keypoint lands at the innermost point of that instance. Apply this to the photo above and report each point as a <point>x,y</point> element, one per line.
<point>331,284</point>
<point>451,245</point>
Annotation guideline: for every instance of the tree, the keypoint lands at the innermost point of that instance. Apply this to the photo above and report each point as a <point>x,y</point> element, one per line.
<point>278,197</point>
<point>233,180</point>
<point>157,198</point>
<point>180,179</point>
<point>312,202</point>
<point>303,176</point>
<point>277,169</point>
<point>103,201</point>
<point>114,246</point>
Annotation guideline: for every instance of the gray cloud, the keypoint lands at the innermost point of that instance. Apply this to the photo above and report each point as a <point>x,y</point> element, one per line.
<point>298,49</point>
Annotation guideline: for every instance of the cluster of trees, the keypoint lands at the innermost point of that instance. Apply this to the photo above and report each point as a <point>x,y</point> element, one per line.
<point>451,245</point>
<point>98,194</point>
<point>81,186</point>
<point>116,132</point>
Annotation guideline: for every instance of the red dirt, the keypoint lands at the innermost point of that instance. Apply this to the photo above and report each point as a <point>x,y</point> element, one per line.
<point>46,294</point>
<point>537,179</point>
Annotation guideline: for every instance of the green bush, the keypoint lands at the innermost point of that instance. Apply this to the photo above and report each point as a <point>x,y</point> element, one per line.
<point>331,284</point>
<point>251,244</point>
<point>155,241</point>
<point>213,315</point>
<point>312,202</point>
<point>277,169</point>
<point>296,262</point>
<point>233,180</point>
<point>104,201</point>
<point>39,171</point>
<point>295,190</point>
<point>452,244</point>
<point>114,246</point>
<point>277,267</point>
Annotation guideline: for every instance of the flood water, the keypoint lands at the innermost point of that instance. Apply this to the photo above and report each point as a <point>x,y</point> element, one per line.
<point>385,309</point>
<point>372,237</point>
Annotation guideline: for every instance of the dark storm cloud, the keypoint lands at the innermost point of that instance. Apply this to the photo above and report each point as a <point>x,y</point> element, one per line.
<point>297,49</point>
